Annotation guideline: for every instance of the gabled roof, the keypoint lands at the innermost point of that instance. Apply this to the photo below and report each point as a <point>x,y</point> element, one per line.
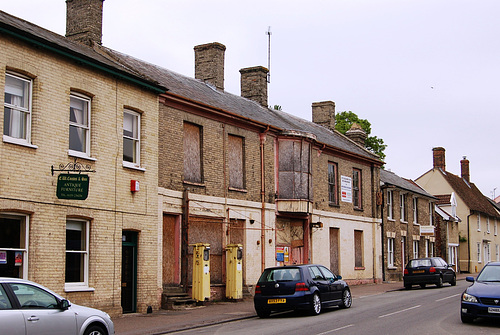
<point>197,90</point>
<point>389,178</point>
<point>470,194</point>
<point>45,39</point>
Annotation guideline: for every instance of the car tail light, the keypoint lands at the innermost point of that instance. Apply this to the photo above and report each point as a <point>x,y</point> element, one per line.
<point>301,287</point>
<point>406,271</point>
<point>258,290</point>
<point>432,269</point>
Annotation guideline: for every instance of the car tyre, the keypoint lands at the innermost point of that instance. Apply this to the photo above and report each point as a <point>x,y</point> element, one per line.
<point>422,285</point>
<point>346,299</point>
<point>466,319</point>
<point>316,304</point>
<point>263,313</point>
<point>454,281</point>
<point>407,286</point>
<point>440,282</point>
<point>94,330</point>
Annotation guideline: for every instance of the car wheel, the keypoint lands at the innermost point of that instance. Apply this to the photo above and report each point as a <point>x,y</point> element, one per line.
<point>454,281</point>
<point>94,330</point>
<point>466,319</point>
<point>422,285</point>
<point>263,313</point>
<point>440,282</point>
<point>346,299</point>
<point>407,286</point>
<point>316,304</point>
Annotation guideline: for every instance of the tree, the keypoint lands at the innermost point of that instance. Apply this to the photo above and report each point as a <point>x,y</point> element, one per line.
<point>344,121</point>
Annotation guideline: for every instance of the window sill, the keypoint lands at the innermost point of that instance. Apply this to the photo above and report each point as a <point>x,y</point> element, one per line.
<point>358,209</point>
<point>402,221</point>
<point>392,268</point>
<point>193,183</point>
<point>18,141</point>
<point>81,155</point>
<point>391,220</point>
<point>132,166</point>
<point>242,190</point>
<point>332,204</point>
<point>78,288</point>
<point>359,268</point>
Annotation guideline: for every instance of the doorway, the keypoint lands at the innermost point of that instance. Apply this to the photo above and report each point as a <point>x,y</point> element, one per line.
<point>334,250</point>
<point>129,271</point>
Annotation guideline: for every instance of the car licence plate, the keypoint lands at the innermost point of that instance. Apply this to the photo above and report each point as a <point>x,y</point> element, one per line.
<point>418,271</point>
<point>276,301</point>
<point>495,310</point>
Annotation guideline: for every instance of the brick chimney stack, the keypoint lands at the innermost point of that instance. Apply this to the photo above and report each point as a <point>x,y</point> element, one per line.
<point>254,84</point>
<point>357,134</point>
<point>323,113</point>
<point>464,164</point>
<point>209,64</point>
<point>84,21</point>
<point>439,158</point>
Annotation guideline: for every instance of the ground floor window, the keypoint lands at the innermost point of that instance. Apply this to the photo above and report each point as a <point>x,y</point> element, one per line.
<point>487,254</point>
<point>358,248</point>
<point>13,245</point>
<point>415,248</point>
<point>452,254</point>
<point>77,254</point>
<point>478,252</point>
<point>431,249</point>
<point>390,252</point>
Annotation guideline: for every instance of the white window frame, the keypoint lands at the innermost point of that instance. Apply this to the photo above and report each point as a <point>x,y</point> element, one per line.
<point>80,286</point>
<point>24,139</point>
<point>415,210</point>
<point>452,253</point>
<point>390,252</point>
<point>487,253</point>
<point>479,252</point>
<point>431,249</point>
<point>488,224</point>
<point>431,211</point>
<point>427,248</point>
<point>495,228</point>
<point>79,125</point>
<point>478,222</point>
<point>390,205</point>
<point>402,207</point>
<point>26,237</point>
<point>136,138</point>
<point>415,248</point>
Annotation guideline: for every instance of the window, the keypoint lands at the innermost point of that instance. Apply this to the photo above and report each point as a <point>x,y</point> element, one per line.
<point>79,124</point>
<point>479,252</point>
<point>13,245</point>
<point>77,255</point>
<point>356,189</point>
<point>236,162</point>
<point>497,252</point>
<point>333,193</point>
<point>415,210</point>
<point>431,212</point>
<point>488,224</point>
<point>131,138</point>
<point>17,109</point>
<point>4,300</point>
<point>431,249</point>
<point>193,169</point>
<point>402,207</point>
<point>427,246</point>
<point>390,203</point>
<point>495,228</point>
<point>294,178</point>
<point>390,252</point>
<point>30,297</point>
<point>478,222</point>
<point>415,248</point>
<point>452,254</point>
<point>487,255</point>
<point>358,249</point>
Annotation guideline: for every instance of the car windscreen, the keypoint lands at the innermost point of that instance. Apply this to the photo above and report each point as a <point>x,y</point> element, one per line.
<point>490,273</point>
<point>415,263</point>
<point>280,274</point>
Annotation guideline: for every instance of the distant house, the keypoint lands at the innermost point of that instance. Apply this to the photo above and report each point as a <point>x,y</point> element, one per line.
<point>408,230</point>
<point>447,236</point>
<point>478,228</point>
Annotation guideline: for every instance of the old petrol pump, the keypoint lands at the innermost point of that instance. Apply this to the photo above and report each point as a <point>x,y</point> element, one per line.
<point>201,271</point>
<point>234,271</point>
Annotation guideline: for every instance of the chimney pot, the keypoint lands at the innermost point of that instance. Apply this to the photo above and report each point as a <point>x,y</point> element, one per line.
<point>464,165</point>
<point>323,113</point>
<point>84,21</point>
<point>254,84</point>
<point>439,158</point>
<point>209,64</point>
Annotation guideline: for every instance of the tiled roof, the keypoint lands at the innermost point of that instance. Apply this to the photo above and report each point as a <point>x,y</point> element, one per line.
<point>389,178</point>
<point>443,199</point>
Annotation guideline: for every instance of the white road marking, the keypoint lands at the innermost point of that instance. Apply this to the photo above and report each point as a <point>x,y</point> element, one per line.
<point>451,296</point>
<point>401,311</point>
<point>334,330</point>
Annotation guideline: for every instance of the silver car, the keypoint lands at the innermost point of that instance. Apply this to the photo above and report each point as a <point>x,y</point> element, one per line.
<point>28,308</point>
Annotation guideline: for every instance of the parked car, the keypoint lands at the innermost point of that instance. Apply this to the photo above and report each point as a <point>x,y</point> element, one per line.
<point>482,298</point>
<point>309,287</point>
<point>28,308</point>
<point>429,270</point>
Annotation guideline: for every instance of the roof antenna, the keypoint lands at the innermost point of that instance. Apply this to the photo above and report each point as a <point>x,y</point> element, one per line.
<point>268,32</point>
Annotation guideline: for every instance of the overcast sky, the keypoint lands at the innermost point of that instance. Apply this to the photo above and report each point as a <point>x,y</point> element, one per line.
<point>425,73</point>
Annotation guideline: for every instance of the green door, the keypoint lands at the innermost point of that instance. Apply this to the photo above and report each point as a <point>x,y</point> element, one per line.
<point>129,271</point>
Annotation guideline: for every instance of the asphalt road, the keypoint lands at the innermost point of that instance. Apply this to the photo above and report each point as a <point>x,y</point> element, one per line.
<point>417,311</point>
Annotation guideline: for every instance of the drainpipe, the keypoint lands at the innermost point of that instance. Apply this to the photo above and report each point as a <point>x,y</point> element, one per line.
<point>468,240</point>
<point>262,137</point>
<point>382,233</point>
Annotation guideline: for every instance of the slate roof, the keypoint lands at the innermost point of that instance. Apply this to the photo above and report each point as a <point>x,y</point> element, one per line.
<point>389,178</point>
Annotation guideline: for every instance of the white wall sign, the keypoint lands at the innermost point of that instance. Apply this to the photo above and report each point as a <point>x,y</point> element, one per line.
<point>346,189</point>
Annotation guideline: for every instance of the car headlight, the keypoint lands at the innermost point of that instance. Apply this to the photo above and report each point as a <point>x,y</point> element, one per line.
<point>469,298</point>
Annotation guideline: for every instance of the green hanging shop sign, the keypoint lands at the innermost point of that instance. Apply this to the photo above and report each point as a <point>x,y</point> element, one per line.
<point>72,186</point>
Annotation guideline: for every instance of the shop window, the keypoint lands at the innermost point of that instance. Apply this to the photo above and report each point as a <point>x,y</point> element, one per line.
<point>13,246</point>
<point>77,254</point>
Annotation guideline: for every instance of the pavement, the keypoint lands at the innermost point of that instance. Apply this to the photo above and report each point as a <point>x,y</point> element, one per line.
<point>169,321</point>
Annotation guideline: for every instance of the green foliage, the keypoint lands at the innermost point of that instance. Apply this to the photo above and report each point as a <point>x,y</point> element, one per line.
<point>344,121</point>
<point>277,107</point>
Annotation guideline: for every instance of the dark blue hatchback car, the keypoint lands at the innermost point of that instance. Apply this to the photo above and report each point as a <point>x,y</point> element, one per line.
<point>309,287</point>
<point>482,298</point>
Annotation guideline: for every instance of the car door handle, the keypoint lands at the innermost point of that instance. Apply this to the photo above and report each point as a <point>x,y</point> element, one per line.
<point>33,318</point>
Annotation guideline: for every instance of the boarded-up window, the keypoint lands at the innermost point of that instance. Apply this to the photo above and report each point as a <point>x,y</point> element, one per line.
<point>356,189</point>
<point>236,162</point>
<point>332,184</point>
<point>358,248</point>
<point>192,153</point>
<point>295,180</point>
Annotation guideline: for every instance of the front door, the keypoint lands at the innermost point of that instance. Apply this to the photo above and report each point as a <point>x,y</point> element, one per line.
<point>290,236</point>
<point>129,271</point>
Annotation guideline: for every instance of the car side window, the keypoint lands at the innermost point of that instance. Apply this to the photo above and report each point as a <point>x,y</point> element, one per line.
<point>327,273</point>
<point>4,300</point>
<point>33,297</point>
<point>316,273</point>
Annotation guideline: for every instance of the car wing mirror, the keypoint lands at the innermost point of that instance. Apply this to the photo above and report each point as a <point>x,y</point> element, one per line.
<point>469,279</point>
<point>64,304</point>
<point>339,278</point>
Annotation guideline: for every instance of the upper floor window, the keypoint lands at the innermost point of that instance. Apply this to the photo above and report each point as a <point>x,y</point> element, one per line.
<point>357,189</point>
<point>488,224</point>
<point>390,205</point>
<point>17,108</point>
<point>431,213</point>
<point>236,162</point>
<point>294,174</point>
<point>333,193</point>
<point>495,228</point>
<point>131,138</point>
<point>415,210</point>
<point>79,124</point>
<point>478,222</point>
<point>402,207</point>
<point>193,168</point>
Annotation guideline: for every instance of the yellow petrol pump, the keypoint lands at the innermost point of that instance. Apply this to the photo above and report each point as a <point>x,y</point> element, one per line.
<point>201,271</point>
<point>234,271</point>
